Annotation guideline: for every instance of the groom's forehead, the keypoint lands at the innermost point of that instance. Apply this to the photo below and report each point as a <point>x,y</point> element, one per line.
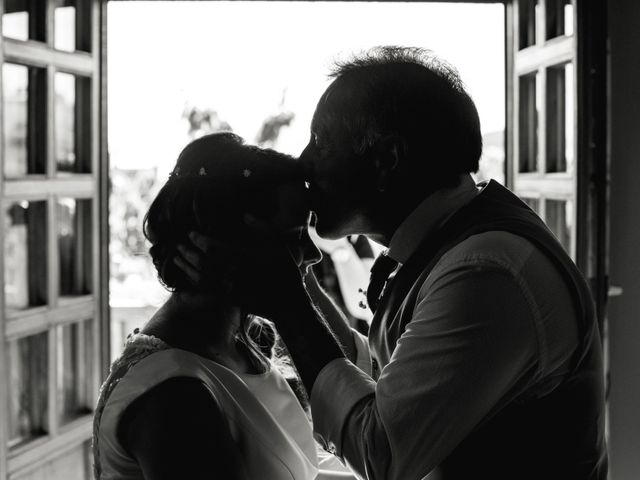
<point>340,93</point>
<point>343,97</point>
<point>326,113</point>
<point>323,108</point>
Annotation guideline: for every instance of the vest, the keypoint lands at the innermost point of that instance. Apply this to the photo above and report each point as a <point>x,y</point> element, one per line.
<point>559,434</point>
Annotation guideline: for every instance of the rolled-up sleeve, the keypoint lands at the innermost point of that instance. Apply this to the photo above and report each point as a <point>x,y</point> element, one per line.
<point>464,354</point>
<point>340,385</point>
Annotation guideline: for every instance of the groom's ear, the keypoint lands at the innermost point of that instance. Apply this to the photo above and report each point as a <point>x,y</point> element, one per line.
<point>389,153</point>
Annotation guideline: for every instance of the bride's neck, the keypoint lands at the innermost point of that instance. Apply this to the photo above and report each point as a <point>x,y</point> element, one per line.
<point>193,322</point>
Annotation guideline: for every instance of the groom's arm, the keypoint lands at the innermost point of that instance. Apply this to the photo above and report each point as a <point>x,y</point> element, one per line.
<point>455,363</point>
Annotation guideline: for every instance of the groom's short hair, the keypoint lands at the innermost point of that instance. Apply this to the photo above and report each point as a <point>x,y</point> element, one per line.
<point>412,94</point>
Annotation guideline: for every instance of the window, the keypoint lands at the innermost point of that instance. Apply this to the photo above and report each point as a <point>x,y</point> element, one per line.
<point>559,18</point>
<point>533,204</point>
<point>145,135</point>
<point>50,310</point>
<point>25,255</point>
<point>72,25</point>
<point>25,120</point>
<point>74,221</point>
<point>560,119</point>
<point>528,126</point>
<point>544,115</point>
<point>72,135</point>
<point>28,397</point>
<point>75,361</point>
<point>559,218</point>
<point>24,20</point>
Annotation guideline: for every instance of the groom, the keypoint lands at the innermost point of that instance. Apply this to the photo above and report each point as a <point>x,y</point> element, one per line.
<point>486,359</point>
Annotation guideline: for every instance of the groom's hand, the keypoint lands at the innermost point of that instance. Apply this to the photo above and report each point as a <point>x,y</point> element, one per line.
<point>263,276</point>
<point>269,282</point>
<point>198,262</point>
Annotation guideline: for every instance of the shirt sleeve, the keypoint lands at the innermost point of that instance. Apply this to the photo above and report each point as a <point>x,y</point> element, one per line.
<point>463,355</point>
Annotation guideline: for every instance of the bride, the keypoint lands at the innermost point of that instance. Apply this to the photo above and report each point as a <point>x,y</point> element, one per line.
<point>205,390</point>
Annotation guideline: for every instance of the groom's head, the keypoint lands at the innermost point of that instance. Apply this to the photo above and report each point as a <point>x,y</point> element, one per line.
<point>395,125</point>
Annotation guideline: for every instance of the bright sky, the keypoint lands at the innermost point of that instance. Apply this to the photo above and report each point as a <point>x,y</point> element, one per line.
<point>238,57</point>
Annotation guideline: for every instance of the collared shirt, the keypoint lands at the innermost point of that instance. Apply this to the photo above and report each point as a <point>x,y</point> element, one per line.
<point>493,320</point>
<point>428,216</point>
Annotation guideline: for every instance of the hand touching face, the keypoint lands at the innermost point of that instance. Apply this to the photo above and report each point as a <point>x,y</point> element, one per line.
<point>287,229</point>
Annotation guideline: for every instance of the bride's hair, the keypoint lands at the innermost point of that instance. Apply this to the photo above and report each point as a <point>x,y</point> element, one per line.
<point>217,181</point>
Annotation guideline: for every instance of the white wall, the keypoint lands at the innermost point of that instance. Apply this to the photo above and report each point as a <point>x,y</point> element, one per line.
<point>624,311</point>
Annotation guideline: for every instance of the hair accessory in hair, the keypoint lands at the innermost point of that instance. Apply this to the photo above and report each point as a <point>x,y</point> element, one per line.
<point>202,172</point>
<point>246,173</point>
<point>175,173</point>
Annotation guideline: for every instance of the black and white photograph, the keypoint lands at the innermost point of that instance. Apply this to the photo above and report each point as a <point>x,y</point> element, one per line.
<point>319,240</point>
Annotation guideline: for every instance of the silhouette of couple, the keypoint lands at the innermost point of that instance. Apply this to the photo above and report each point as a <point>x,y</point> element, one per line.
<point>483,357</point>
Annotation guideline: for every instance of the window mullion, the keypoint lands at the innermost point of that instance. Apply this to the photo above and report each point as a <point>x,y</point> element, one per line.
<point>4,392</point>
<point>50,121</point>
<point>53,381</point>
<point>52,253</point>
<point>50,24</point>
<point>541,106</point>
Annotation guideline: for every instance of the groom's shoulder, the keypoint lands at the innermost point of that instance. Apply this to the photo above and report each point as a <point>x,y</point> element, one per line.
<point>497,249</point>
<point>503,253</point>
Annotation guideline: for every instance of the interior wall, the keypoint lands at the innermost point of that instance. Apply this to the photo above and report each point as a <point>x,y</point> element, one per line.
<point>624,311</point>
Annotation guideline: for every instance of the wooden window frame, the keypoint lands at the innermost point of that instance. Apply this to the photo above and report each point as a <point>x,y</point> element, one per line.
<point>88,311</point>
<point>590,185</point>
<point>538,58</point>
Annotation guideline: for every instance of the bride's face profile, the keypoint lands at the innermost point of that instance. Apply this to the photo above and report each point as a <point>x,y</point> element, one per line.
<point>292,220</point>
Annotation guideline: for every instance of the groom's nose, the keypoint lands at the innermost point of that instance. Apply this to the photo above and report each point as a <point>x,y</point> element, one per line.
<point>306,160</point>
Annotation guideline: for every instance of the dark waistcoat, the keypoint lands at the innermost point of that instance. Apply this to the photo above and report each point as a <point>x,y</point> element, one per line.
<point>556,435</point>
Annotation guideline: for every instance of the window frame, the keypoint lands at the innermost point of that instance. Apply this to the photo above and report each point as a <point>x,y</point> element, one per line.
<point>537,58</point>
<point>88,311</point>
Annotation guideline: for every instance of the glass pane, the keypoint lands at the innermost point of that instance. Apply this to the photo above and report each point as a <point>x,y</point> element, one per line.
<point>24,91</point>
<point>74,379</point>
<point>570,117</point>
<point>24,19</point>
<point>72,25</point>
<point>533,203</point>
<point>568,17</point>
<point>25,266</point>
<point>16,25</point>
<point>15,90</point>
<point>28,398</point>
<point>560,119</point>
<point>528,123</point>
<point>527,13</point>
<point>74,246</point>
<point>65,25</point>
<point>492,160</point>
<point>556,116</point>
<point>65,87</point>
<point>559,218</point>
<point>559,19</point>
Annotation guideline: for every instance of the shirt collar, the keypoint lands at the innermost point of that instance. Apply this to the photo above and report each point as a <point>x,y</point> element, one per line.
<point>429,216</point>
